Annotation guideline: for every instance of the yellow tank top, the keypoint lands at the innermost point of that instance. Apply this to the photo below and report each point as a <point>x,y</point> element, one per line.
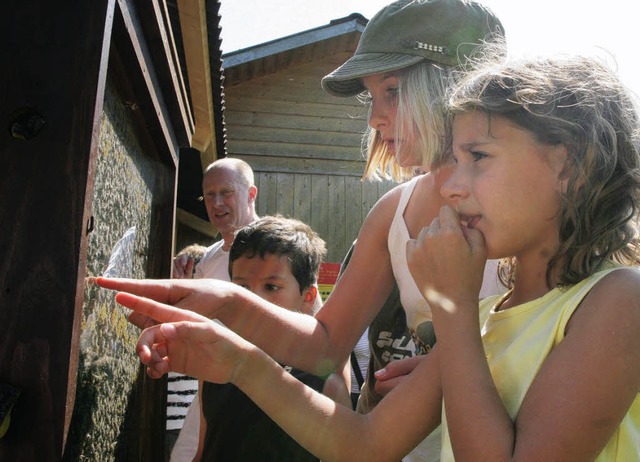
<point>518,340</point>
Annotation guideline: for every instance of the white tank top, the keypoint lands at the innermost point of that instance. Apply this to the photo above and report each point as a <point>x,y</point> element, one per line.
<point>410,296</point>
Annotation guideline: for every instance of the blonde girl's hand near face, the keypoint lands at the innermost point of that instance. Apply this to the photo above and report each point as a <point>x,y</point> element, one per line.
<point>447,262</point>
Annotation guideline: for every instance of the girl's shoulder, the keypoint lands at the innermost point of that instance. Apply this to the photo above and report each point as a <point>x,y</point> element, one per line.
<point>618,282</point>
<point>622,285</point>
<point>614,299</point>
<point>386,207</point>
<point>389,200</point>
<point>392,197</point>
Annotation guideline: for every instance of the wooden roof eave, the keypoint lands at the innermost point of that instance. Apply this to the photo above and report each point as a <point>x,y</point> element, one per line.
<point>193,23</point>
<point>336,28</point>
<point>195,17</point>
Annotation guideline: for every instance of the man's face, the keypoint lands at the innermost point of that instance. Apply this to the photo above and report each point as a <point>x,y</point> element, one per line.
<point>229,202</point>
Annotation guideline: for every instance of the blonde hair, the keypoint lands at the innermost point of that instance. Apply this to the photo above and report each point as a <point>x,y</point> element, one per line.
<point>421,117</point>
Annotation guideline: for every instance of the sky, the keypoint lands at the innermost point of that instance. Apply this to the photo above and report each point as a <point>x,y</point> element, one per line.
<point>606,29</point>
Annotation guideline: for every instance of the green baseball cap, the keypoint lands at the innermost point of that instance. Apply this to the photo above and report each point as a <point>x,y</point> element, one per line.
<point>406,32</point>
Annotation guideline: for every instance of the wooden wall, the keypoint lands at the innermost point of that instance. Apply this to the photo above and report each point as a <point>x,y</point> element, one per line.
<point>77,171</point>
<point>305,148</point>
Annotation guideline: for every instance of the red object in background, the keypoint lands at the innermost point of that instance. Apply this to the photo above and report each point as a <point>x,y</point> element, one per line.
<point>327,278</point>
<point>328,273</point>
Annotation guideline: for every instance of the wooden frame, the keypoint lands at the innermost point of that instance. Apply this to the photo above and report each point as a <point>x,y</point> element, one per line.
<point>45,179</point>
<point>56,60</point>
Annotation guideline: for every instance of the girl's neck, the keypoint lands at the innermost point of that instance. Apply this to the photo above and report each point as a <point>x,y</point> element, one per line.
<point>530,283</point>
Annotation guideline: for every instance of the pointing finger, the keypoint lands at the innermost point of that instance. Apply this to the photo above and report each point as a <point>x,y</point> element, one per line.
<point>156,310</point>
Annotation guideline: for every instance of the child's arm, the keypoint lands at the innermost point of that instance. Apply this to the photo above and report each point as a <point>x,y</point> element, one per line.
<point>576,401</point>
<point>589,381</point>
<point>580,394</point>
<point>204,349</point>
<point>334,432</point>
<point>338,385</point>
<point>316,345</point>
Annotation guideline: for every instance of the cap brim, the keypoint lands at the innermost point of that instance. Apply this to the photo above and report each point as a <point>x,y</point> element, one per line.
<point>347,79</point>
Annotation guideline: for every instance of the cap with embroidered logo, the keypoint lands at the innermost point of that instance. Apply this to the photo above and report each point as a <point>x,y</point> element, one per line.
<point>406,32</point>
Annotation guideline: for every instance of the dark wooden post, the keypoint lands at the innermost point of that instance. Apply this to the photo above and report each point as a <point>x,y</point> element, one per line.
<point>53,67</point>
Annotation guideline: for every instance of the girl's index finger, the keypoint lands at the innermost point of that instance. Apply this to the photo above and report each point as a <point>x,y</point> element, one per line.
<point>162,290</point>
<point>156,310</point>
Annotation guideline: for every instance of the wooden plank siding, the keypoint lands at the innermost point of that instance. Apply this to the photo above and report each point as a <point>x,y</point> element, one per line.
<point>305,148</point>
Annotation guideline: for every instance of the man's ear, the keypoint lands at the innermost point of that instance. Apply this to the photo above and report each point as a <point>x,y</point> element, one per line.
<point>310,299</point>
<point>253,193</point>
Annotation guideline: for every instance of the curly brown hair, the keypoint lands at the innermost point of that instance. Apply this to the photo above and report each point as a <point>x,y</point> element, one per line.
<point>577,102</point>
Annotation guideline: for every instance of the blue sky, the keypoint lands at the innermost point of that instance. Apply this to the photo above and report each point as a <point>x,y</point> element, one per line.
<point>606,29</point>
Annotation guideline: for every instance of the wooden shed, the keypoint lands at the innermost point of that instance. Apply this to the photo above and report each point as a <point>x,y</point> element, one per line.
<point>99,102</point>
<point>303,144</point>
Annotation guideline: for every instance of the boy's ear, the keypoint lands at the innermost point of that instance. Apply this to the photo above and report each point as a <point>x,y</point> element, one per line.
<point>310,297</point>
<point>311,294</point>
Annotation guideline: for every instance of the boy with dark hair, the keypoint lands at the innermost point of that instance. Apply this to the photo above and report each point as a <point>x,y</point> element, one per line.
<point>278,259</point>
<point>276,237</point>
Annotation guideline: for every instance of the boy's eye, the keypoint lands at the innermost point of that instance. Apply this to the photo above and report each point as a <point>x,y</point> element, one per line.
<point>272,287</point>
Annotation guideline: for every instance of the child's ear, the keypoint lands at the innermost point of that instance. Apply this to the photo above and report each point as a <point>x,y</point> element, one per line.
<point>561,164</point>
<point>310,296</point>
